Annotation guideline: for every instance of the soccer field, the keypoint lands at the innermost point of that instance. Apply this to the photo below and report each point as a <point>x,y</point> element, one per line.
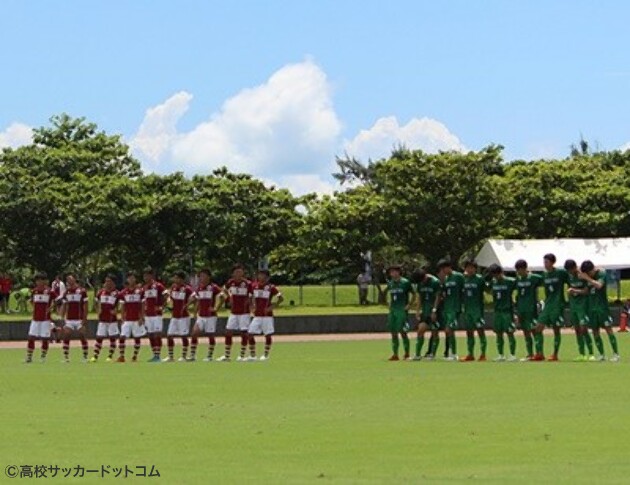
<point>321,412</point>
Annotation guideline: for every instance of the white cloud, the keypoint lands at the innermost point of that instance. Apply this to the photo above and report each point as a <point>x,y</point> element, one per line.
<point>16,134</point>
<point>420,133</point>
<point>300,184</point>
<point>625,147</point>
<point>287,125</point>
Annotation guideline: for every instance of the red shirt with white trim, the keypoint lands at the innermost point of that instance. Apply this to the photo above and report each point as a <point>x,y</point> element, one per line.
<point>263,294</point>
<point>206,298</point>
<point>75,299</point>
<point>153,299</point>
<point>132,303</point>
<point>239,292</point>
<point>41,299</point>
<point>180,295</point>
<point>107,305</point>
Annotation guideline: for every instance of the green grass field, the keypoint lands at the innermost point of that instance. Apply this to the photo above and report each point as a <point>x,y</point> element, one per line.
<point>332,412</point>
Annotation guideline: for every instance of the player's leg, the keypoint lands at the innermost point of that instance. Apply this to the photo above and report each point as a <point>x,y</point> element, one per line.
<point>586,336</point>
<point>170,341</point>
<point>483,341</point>
<point>579,337</point>
<point>512,345</point>
<point>539,340</point>
<point>557,336</point>
<point>469,324</point>
<point>84,342</point>
<point>500,337</point>
<point>243,323</point>
<point>210,328</point>
<point>422,329</point>
<point>612,338</point>
<point>232,325</point>
<point>101,332</point>
<point>393,330</point>
<point>125,333</point>
<point>404,334</point>
<point>268,343</point>
<point>33,335</point>
<point>66,336</point>
<point>194,339</point>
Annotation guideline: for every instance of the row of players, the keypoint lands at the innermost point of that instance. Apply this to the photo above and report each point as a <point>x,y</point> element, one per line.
<point>136,312</point>
<point>443,298</point>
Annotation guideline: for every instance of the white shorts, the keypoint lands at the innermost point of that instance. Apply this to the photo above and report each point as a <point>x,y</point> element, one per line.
<point>134,329</point>
<point>73,324</point>
<point>107,329</point>
<point>262,325</point>
<point>179,326</point>
<point>40,329</point>
<point>238,322</point>
<point>154,324</point>
<point>207,324</point>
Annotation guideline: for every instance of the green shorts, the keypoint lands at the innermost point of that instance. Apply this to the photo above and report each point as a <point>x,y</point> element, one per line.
<point>527,321</point>
<point>504,322</point>
<point>451,320</point>
<point>397,321</point>
<point>599,319</point>
<point>426,318</point>
<point>578,317</point>
<point>473,321</point>
<point>551,317</point>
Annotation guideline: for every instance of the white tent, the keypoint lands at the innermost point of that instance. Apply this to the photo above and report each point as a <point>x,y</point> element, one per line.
<point>605,253</point>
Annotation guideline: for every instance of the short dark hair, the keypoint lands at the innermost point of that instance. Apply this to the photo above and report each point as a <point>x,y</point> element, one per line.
<point>70,273</point>
<point>237,266</point>
<point>470,262</point>
<point>205,271</point>
<point>419,275</point>
<point>395,267</point>
<point>495,269</point>
<point>550,257</point>
<point>265,272</point>
<point>180,274</point>
<point>521,264</point>
<point>570,264</point>
<point>148,270</point>
<point>110,276</point>
<point>587,266</point>
<point>41,276</point>
<point>132,273</point>
<point>444,263</point>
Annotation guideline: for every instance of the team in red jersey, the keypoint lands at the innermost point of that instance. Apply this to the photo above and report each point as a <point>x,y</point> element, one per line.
<point>181,296</point>
<point>131,301</point>
<point>263,293</point>
<point>74,312</point>
<point>107,309</point>
<point>238,291</point>
<point>42,299</point>
<point>207,294</point>
<point>154,294</point>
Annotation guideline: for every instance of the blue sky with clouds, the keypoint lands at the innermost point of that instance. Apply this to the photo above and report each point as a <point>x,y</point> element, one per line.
<point>278,88</point>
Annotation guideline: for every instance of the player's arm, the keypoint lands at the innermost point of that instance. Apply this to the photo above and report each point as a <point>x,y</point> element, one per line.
<point>599,284</point>
<point>220,301</point>
<point>85,309</point>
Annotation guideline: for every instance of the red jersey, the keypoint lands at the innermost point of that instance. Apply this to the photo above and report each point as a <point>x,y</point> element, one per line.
<point>180,295</point>
<point>263,294</point>
<point>206,298</point>
<point>153,299</point>
<point>75,299</point>
<point>240,292</point>
<point>41,300</point>
<point>132,303</point>
<point>5,285</point>
<point>107,304</point>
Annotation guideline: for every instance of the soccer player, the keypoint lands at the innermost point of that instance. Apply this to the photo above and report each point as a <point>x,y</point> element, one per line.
<point>106,307</point>
<point>130,297</point>
<point>527,304</point>
<point>182,296</point>
<point>427,314</point>
<point>598,309</point>
<point>153,298</point>
<point>578,308</point>
<point>452,287</point>
<point>502,295</point>
<point>43,299</point>
<point>552,314</point>
<point>74,311</point>
<point>400,302</point>
<point>238,290</point>
<point>205,313</point>
<point>474,287</point>
<point>263,293</point>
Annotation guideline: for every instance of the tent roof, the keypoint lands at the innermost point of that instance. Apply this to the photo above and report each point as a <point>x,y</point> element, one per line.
<point>605,253</point>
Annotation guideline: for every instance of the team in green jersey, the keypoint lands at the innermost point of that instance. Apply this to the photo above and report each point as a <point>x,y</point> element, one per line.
<point>402,296</point>
<point>441,299</point>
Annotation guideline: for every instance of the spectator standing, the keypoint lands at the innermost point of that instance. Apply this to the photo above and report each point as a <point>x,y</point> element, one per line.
<point>5,292</point>
<point>363,282</point>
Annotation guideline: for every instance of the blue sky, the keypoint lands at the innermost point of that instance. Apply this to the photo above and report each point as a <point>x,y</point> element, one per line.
<point>278,88</point>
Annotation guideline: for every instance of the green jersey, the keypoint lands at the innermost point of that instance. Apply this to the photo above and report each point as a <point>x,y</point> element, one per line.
<point>429,289</point>
<point>399,292</point>
<point>474,286</point>
<point>577,303</point>
<point>502,290</point>
<point>554,281</point>
<point>527,293</point>
<point>452,291</point>
<point>598,298</point>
